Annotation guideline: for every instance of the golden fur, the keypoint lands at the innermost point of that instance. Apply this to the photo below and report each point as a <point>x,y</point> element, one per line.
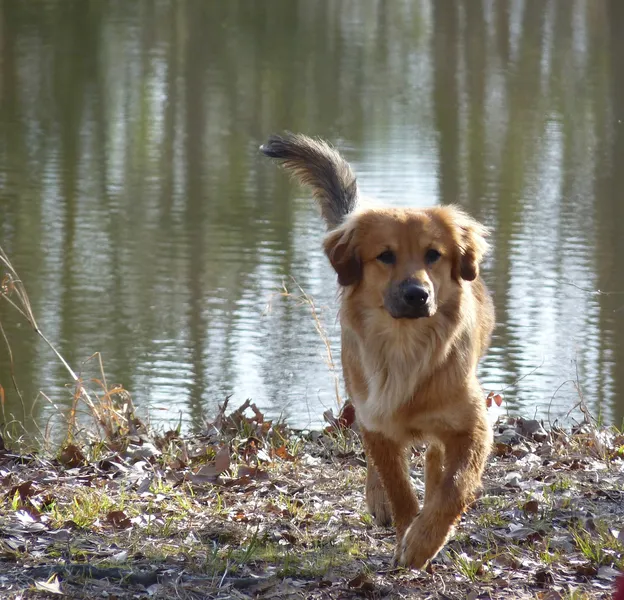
<point>410,370</point>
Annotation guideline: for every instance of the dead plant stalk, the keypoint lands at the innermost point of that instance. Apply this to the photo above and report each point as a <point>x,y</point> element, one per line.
<point>303,298</point>
<point>13,291</point>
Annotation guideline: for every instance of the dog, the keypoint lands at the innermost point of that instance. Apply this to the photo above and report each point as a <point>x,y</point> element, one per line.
<point>415,318</point>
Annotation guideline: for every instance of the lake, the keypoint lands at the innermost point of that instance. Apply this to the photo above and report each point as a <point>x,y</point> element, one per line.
<point>148,228</point>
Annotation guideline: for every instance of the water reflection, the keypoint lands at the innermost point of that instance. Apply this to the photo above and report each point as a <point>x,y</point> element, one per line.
<point>147,227</point>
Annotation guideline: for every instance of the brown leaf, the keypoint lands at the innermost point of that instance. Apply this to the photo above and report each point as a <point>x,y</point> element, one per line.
<point>502,449</point>
<point>347,415</point>
<point>488,400</point>
<point>205,474</point>
<point>344,420</point>
<point>239,481</point>
<point>498,399</point>
<point>71,457</point>
<point>25,490</point>
<point>118,519</point>
<point>222,460</point>
<point>362,583</point>
<point>177,464</point>
<point>258,416</point>
<point>543,576</point>
<point>586,570</point>
<point>253,473</point>
<point>288,537</point>
<point>210,473</point>
<point>532,506</point>
<point>282,452</point>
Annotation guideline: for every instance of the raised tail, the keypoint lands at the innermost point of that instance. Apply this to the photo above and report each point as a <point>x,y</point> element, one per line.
<point>315,163</point>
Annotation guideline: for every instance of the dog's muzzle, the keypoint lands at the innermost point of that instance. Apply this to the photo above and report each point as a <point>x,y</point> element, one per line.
<point>409,300</point>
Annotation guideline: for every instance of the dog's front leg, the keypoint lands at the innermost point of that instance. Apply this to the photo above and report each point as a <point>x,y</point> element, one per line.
<point>389,465</point>
<point>465,457</point>
<point>434,465</point>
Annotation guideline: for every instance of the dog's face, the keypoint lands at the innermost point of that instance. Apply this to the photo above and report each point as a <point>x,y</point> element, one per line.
<point>407,262</point>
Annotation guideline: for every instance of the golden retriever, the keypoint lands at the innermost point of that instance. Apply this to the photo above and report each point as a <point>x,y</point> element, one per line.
<point>415,319</point>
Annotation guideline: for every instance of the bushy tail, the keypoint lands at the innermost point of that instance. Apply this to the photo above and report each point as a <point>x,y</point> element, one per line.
<point>315,163</point>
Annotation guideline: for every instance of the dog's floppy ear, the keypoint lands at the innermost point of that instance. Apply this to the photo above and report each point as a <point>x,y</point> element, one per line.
<point>341,249</point>
<point>471,245</point>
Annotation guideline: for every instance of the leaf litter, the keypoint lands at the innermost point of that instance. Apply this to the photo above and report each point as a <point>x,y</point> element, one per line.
<point>248,508</point>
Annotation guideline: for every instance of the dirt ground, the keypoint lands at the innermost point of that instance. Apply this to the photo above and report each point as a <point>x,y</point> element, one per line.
<point>250,509</point>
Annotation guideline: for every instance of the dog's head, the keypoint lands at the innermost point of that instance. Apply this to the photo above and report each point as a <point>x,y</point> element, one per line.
<point>406,261</point>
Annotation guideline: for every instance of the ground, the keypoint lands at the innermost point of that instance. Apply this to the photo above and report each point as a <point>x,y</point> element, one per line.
<point>250,509</point>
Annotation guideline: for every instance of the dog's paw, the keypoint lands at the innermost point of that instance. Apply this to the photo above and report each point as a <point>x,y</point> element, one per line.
<point>378,504</point>
<point>413,550</point>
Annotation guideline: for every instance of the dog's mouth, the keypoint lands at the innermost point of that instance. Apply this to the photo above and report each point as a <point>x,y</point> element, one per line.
<point>410,312</point>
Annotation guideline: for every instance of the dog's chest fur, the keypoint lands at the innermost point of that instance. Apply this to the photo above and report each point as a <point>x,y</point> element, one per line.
<point>396,361</point>
<point>398,358</point>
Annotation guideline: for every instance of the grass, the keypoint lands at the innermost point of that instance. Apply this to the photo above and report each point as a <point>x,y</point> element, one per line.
<point>472,569</point>
<point>562,484</point>
<point>490,519</point>
<point>600,547</point>
<point>548,555</point>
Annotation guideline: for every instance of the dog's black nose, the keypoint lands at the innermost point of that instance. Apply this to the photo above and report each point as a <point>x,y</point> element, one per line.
<point>415,295</point>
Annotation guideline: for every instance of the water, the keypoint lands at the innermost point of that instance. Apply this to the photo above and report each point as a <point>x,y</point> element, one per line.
<point>148,228</point>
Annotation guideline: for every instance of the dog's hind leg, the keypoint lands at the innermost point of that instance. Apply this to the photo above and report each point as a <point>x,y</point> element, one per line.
<point>389,462</point>
<point>376,497</point>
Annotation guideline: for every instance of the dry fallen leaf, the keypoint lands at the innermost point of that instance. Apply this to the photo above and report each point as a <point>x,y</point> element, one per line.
<point>52,585</point>
<point>550,595</point>
<point>532,506</point>
<point>252,472</point>
<point>282,452</point>
<point>586,569</point>
<point>210,473</point>
<point>222,460</point>
<point>71,457</point>
<point>25,490</point>
<point>607,572</point>
<point>347,415</point>
<point>544,576</point>
<point>362,583</point>
<point>118,519</point>
<point>501,449</point>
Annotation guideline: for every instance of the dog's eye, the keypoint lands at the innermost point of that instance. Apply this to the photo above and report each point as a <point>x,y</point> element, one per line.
<point>432,256</point>
<point>387,257</point>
